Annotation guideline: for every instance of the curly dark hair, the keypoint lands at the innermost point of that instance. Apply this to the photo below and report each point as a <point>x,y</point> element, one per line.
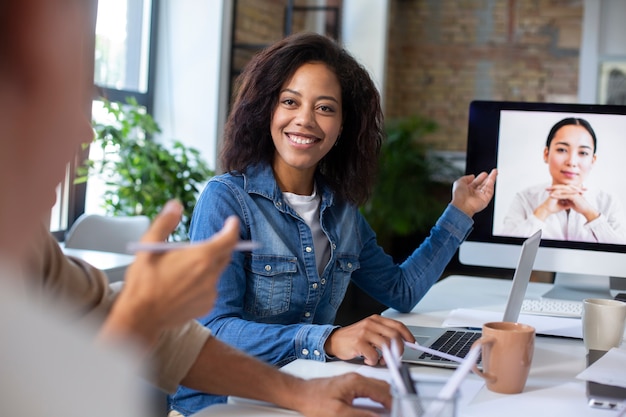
<point>350,167</point>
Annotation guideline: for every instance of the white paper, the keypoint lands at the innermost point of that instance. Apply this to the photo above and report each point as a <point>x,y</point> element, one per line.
<point>608,370</point>
<point>568,399</point>
<point>544,325</point>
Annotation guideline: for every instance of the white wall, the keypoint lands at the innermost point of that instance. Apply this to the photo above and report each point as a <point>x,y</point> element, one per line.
<point>364,33</point>
<point>603,40</point>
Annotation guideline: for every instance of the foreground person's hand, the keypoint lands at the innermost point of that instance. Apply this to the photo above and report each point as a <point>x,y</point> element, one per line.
<point>334,396</point>
<point>163,290</point>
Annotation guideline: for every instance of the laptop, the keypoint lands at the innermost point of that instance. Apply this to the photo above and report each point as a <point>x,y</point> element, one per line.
<point>457,341</point>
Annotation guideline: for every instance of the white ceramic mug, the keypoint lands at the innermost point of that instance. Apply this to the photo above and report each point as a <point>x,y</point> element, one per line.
<point>603,323</point>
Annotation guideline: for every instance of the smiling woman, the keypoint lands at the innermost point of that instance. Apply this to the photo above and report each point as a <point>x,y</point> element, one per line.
<point>301,149</point>
<point>565,209</point>
<point>305,126</point>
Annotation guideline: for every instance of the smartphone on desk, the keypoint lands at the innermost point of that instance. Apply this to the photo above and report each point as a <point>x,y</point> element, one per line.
<point>608,397</point>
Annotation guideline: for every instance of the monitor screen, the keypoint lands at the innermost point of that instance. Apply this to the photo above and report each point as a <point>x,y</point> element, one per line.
<point>559,171</point>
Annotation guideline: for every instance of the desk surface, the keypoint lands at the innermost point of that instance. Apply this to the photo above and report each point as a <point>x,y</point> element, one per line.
<point>551,389</point>
<point>113,264</point>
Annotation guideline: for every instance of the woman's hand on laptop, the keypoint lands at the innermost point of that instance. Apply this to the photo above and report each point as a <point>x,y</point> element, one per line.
<point>365,339</point>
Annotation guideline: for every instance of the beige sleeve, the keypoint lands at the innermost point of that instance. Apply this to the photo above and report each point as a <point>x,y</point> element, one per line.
<point>175,354</point>
<point>80,288</point>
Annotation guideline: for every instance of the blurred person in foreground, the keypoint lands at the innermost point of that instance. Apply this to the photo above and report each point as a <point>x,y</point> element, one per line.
<point>72,345</point>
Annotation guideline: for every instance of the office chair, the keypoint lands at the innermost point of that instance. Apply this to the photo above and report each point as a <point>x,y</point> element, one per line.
<point>105,233</point>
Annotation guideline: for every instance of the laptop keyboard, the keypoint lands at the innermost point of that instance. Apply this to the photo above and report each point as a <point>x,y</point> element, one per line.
<point>453,342</point>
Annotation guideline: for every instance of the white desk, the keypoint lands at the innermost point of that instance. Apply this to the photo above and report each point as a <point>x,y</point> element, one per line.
<point>551,389</point>
<point>113,264</point>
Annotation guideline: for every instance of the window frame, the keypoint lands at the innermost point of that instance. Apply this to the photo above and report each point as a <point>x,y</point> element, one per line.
<point>144,99</point>
<point>72,197</point>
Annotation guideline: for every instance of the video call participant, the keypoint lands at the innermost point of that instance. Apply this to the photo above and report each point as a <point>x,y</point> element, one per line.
<point>565,209</point>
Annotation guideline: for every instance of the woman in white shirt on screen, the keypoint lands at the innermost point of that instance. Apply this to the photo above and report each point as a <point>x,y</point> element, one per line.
<point>565,209</point>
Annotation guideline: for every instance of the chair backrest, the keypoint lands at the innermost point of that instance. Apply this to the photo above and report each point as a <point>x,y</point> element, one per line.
<point>106,233</point>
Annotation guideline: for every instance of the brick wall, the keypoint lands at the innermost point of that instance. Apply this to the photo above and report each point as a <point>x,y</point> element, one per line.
<point>259,23</point>
<point>445,53</point>
<point>256,23</point>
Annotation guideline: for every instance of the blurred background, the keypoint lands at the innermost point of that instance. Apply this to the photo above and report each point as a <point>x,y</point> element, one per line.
<point>178,59</point>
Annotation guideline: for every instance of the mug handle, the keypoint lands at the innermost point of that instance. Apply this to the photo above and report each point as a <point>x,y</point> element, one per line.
<point>484,340</point>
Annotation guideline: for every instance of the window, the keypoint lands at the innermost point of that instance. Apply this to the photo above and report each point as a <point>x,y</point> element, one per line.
<point>123,67</point>
<point>123,55</point>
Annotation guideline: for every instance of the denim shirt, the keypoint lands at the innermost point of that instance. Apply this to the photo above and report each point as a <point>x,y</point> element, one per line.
<point>272,303</point>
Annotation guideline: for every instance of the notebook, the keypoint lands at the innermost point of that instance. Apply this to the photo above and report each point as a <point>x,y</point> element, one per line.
<point>457,341</point>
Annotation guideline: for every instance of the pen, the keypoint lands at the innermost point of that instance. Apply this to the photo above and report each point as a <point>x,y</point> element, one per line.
<point>403,369</point>
<point>396,370</point>
<point>407,379</point>
<point>454,382</point>
<point>159,247</point>
<point>433,352</point>
<point>391,362</point>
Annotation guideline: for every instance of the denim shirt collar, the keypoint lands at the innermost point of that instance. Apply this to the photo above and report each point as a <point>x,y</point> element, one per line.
<point>259,179</point>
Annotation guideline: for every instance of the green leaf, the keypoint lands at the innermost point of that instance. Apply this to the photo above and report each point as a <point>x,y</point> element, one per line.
<point>142,175</point>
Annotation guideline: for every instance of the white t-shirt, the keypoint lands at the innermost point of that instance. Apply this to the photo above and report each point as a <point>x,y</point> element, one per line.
<point>610,227</point>
<point>308,207</point>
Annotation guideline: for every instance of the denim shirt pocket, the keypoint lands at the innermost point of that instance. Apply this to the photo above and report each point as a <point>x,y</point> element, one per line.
<point>270,285</point>
<point>344,267</point>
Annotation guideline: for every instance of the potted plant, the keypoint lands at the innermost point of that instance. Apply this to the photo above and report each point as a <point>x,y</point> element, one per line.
<point>412,189</point>
<point>141,175</point>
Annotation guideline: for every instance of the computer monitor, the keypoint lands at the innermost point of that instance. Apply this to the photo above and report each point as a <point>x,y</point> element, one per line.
<point>512,136</point>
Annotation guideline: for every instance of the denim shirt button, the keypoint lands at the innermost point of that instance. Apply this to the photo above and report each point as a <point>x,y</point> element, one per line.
<point>268,268</point>
<point>314,285</point>
<point>308,249</point>
<point>323,281</point>
<point>350,265</point>
<point>305,352</point>
<point>307,314</point>
<point>316,352</point>
<point>333,246</point>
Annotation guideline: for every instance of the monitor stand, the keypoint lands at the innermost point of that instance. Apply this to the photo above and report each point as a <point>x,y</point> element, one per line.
<point>577,287</point>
